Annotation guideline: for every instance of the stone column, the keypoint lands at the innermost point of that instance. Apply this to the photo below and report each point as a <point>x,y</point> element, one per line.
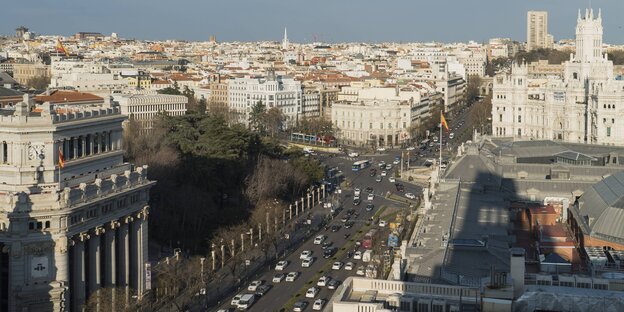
<point>83,148</point>
<point>1,152</point>
<point>78,276</point>
<point>95,279</point>
<point>134,228</point>
<point>309,200</point>
<point>123,255</point>
<point>296,209</point>
<point>75,148</point>
<point>110,254</point>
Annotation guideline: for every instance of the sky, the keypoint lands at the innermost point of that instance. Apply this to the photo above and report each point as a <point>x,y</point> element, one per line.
<point>323,20</point>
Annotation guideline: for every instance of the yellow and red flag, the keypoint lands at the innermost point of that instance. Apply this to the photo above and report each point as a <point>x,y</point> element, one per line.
<point>61,158</point>
<point>60,48</point>
<point>443,121</point>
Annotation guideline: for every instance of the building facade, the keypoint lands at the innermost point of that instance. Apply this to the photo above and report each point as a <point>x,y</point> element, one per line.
<point>584,106</point>
<point>65,234</point>
<point>537,30</point>
<point>22,72</point>
<point>145,107</point>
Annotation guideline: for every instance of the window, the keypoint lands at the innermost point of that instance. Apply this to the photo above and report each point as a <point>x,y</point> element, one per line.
<point>500,118</point>
<point>519,119</point>
<point>519,132</point>
<point>608,131</point>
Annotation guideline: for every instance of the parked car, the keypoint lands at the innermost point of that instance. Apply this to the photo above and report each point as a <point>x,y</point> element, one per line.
<point>300,306</point>
<point>278,277</point>
<point>383,223</point>
<point>307,262</point>
<point>378,179</point>
<point>356,202</point>
<point>337,265</point>
<point>262,290</point>
<point>410,195</point>
<point>322,282</point>
<point>333,284</point>
<point>329,252</point>
<point>304,254</point>
<point>349,224</point>
<point>381,149</point>
<point>318,304</point>
<point>360,271</point>
<point>235,300</point>
<point>370,197</point>
<point>319,239</point>
<point>383,173</point>
<point>357,255</point>
<point>349,266</point>
<point>391,179</point>
<point>370,207</point>
<point>356,192</point>
<point>369,189</point>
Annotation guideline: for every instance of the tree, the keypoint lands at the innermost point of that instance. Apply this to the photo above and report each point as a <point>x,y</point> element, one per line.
<point>481,114</point>
<point>553,56</point>
<point>111,299</point>
<point>496,65</point>
<point>39,82</point>
<point>473,89</point>
<point>617,56</point>
<point>257,117</point>
<point>202,105</point>
<point>274,120</point>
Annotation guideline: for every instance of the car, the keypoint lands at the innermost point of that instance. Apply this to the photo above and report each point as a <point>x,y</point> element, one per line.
<point>383,223</point>
<point>333,284</point>
<point>300,306</point>
<point>326,244</point>
<point>349,266</point>
<point>235,300</point>
<point>327,253</point>
<point>350,212</point>
<point>382,164</point>
<point>370,207</point>
<point>344,219</point>
<point>319,240</point>
<point>356,197</point>
<point>378,179</point>
<point>396,162</point>
<point>381,149</point>
<point>392,179</point>
<point>356,202</point>
<point>357,255</point>
<point>318,304</point>
<point>281,265</point>
<point>337,265</point>
<point>254,285</point>
<point>307,262</point>
<point>400,187</point>
<point>246,301</point>
<point>410,195</point>
<point>335,228</point>
<point>349,224</point>
<point>263,289</point>
<point>304,254</point>
<point>373,172</point>
<point>322,282</point>
<point>371,196</point>
<point>360,271</point>
<point>278,277</point>
<point>338,190</point>
<point>354,154</point>
<point>383,173</point>
<point>411,148</point>
<point>292,276</point>
<point>388,166</point>
<point>443,166</point>
<point>312,292</point>
<point>451,135</point>
<point>356,192</point>
<point>369,189</point>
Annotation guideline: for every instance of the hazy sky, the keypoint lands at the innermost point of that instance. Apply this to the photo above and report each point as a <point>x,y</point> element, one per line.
<point>326,20</point>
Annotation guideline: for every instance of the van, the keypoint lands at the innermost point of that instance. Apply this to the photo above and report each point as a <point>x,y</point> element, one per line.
<point>246,301</point>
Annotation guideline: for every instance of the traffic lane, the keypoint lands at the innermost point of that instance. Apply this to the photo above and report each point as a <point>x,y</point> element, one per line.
<point>282,292</point>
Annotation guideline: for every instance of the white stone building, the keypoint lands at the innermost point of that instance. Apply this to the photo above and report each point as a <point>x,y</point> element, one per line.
<point>282,92</point>
<point>373,122</point>
<point>65,235</point>
<point>585,106</point>
<point>145,107</point>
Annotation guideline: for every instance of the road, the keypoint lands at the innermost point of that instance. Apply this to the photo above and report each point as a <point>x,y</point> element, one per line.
<point>281,293</point>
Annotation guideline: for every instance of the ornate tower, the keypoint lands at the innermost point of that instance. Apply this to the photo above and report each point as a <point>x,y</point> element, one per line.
<point>285,42</point>
<point>589,37</point>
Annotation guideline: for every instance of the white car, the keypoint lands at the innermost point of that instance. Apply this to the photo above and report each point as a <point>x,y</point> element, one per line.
<point>307,262</point>
<point>235,300</point>
<point>349,266</point>
<point>383,173</point>
<point>305,254</point>
<point>452,135</point>
<point>319,239</point>
<point>410,195</point>
<point>396,162</point>
<point>292,276</point>
<point>388,166</point>
<point>280,266</point>
<point>411,148</point>
<point>337,265</point>
<point>353,154</point>
<point>254,285</point>
<point>318,304</point>
<point>371,196</point>
<point>312,292</point>
<point>322,282</point>
<point>357,255</point>
<point>381,149</point>
<point>356,192</point>
<point>391,179</point>
<point>360,271</point>
<point>383,223</point>
<point>382,164</point>
<point>278,278</point>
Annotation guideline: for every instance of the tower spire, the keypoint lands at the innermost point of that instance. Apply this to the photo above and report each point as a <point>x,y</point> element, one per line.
<point>285,43</point>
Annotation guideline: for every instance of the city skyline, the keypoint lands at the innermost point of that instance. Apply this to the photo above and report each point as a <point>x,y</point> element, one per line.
<point>346,21</point>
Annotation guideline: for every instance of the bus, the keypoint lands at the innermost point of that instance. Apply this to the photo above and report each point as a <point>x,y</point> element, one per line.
<point>361,164</point>
<point>367,241</point>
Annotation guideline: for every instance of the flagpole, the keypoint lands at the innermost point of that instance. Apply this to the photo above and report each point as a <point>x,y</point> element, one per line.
<point>440,163</point>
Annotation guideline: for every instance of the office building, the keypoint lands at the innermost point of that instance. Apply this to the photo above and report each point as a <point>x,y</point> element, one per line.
<point>537,30</point>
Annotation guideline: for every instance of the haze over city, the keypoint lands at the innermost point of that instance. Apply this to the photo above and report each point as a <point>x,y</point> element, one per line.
<point>323,20</point>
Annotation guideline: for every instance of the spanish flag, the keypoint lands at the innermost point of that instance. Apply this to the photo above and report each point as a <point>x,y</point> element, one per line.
<point>443,121</point>
<point>61,158</point>
<point>60,48</point>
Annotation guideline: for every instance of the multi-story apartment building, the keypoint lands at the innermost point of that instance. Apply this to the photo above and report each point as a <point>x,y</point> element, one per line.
<point>282,92</point>
<point>584,106</point>
<point>537,30</point>
<point>68,228</point>
<point>22,72</point>
<point>145,107</point>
